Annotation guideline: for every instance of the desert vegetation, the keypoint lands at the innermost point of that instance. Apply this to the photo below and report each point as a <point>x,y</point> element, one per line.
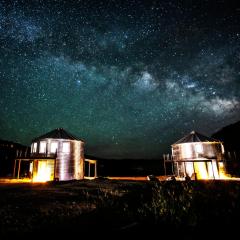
<point>170,207</point>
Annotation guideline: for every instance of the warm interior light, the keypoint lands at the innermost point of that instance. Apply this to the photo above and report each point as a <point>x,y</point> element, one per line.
<point>199,148</point>
<point>207,170</point>
<point>189,168</point>
<point>31,167</point>
<point>211,173</point>
<point>34,147</point>
<point>42,148</point>
<point>43,173</point>
<point>66,147</point>
<point>186,151</point>
<point>215,169</point>
<point>201,170</point>
<point>222,172</point>
<point>54,146</point>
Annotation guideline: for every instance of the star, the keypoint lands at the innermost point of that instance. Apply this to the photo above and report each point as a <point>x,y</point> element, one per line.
<point>129,78</point>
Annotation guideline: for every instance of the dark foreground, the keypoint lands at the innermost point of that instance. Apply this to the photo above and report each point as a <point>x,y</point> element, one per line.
<point>111,208</point>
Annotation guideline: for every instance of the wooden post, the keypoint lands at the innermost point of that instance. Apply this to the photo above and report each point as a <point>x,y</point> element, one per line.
<point>54,171</point>
<point>185,171</point>
<point>55,165</point>
<point>178,169</point>
<point>213,170</point>
<point>217,163</point>
<point>89,169</point>
<point>26,152</point>
<point>14,168</point>
<point>164,165</point>
<point>46,150</point>
<point>172,163</point>
<point>95,169</point>
<point>195,175</point>
<point>19,166</point>
<point>33,168</point>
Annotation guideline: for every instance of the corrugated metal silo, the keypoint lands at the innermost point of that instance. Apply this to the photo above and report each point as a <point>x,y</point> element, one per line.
<point>199,156</point>
<point>57,155</point>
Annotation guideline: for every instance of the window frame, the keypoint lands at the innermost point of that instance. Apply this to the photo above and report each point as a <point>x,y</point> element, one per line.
<point>34,147</point>
<point>64,149</point>
<point>40,147</point>
<point>51,147</point>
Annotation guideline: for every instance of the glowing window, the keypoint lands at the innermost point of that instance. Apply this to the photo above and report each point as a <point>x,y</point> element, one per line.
<point>42,148</point>
<point>54,146</point>
<point>34,147</point>
<point>66,147</point>
<point>199,148</point>
<point>187,150</point>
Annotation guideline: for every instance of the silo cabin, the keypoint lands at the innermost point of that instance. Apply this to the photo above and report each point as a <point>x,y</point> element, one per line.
<point>57,155</point>
<point>198,157</point>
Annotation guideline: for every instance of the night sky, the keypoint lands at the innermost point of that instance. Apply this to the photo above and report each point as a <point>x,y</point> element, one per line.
<point>128,77</point>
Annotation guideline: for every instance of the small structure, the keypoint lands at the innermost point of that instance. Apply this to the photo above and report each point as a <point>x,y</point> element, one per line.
<point>56,155</point>
<point>8,152</point>
<point>90,168</point>
<point>198,157</point>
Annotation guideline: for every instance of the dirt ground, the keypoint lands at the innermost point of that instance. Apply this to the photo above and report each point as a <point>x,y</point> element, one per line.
<point>105,207</point>
<point>35,207</point>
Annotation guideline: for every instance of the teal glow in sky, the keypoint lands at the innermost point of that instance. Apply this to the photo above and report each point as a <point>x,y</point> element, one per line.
<point>129,78</point>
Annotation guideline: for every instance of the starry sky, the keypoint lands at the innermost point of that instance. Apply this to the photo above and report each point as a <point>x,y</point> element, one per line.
<point>128,77</point>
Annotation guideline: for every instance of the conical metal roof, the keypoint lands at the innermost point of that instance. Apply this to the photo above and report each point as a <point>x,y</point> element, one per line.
<point>58,133</point>
<point>195,137</point>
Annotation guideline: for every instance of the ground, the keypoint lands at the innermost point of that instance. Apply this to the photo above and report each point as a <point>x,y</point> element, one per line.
<point>104,206</point>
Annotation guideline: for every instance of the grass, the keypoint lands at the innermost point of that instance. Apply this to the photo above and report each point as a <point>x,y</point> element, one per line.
<point>186,209</point>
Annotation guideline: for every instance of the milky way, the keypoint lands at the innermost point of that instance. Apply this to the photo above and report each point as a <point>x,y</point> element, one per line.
<point>129,78</point>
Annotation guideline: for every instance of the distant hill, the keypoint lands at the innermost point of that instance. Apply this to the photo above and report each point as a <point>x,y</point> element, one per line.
<point>128,167</point>
<point>230,135</point>
<point>7,143</point>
